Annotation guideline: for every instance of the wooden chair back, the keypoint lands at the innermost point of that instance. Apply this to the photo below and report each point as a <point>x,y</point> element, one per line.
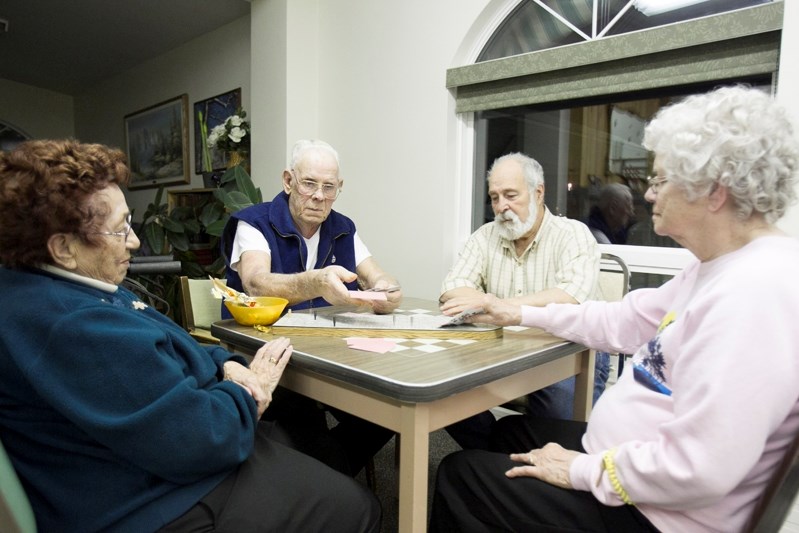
<point>199,308</point>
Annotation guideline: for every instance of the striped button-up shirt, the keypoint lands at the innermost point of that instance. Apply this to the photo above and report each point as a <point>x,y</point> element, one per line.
<point>563,255</point>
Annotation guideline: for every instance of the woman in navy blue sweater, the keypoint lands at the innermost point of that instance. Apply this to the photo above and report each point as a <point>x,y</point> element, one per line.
<point>114,417</point>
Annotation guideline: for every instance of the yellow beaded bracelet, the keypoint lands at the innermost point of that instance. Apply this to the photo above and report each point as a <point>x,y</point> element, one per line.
<point>610,466</point>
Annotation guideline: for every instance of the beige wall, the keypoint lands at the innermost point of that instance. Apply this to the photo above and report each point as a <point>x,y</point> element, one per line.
<point>202,68</point>
<point>38,112</point>
<point>368,77</point>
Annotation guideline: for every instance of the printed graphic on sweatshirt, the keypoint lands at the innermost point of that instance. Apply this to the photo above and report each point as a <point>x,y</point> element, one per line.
<point>649,370</point>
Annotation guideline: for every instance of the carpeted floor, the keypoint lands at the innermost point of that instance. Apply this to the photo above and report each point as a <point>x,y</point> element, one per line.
<point>386,476</point>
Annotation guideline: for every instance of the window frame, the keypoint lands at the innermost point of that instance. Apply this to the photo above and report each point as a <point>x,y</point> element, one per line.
<point>734,44</point>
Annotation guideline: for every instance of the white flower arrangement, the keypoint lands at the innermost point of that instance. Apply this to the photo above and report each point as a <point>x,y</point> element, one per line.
<point>232,135</point>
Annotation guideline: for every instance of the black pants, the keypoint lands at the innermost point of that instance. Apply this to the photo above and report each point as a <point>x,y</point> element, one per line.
<point>282,490</point>
<point>474,495</point>
<point>347,446</point>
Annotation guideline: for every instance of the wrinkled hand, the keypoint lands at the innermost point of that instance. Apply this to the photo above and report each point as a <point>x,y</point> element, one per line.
<point>330,283</point>
<point>550,463</point>
<point>392,301</point>
<point>495,310</point>
<point>241,375</point>
<point>456,305</point>
<point>268,365</point>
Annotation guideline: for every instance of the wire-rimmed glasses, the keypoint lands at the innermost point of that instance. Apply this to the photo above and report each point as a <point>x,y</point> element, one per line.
<point>655,182</point>
<point>124,233</point>
<point>308,187</point>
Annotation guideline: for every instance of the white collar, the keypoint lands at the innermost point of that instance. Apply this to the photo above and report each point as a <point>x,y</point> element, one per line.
<point>91,282</point>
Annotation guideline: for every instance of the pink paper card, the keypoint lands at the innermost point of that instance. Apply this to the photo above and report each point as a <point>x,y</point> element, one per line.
<point>368,295</point>
<point>371,345</point>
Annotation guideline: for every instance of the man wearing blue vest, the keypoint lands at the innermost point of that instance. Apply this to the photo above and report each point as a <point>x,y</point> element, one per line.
<point>296,247</point>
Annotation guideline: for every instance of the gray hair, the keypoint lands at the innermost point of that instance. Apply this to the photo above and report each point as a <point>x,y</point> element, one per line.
<point>614,194</point>
<point>737,137</point>
<point>531,169</point>
<point>304,145</point>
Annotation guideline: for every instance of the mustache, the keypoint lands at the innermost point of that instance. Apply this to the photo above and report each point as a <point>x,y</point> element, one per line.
<point>507,216</point>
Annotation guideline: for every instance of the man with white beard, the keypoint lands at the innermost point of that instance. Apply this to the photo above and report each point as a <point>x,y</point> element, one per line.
<point>527,256</point>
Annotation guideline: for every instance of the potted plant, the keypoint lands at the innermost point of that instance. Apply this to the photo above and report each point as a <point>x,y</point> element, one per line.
<point>174,232</point>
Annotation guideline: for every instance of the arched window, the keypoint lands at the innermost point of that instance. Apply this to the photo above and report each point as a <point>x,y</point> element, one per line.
<point>572,83</point>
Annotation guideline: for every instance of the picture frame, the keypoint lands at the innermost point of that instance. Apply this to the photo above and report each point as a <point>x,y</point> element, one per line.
<point>157,144</point>
<point>209,113</point>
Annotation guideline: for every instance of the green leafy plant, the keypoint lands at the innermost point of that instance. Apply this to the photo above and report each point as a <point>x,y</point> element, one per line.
<point>175,231</point>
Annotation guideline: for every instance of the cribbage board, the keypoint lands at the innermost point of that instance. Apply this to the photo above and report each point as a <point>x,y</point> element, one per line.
<point>403,323</point>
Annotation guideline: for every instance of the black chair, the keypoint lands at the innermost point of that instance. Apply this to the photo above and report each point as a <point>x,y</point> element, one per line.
<point>776,502</point>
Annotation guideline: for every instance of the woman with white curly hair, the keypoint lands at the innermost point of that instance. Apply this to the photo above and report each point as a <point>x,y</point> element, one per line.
<point>690,435</point>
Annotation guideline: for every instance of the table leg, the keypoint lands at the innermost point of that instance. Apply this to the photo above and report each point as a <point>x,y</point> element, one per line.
<point>414,459</point>
<point>584,386</point>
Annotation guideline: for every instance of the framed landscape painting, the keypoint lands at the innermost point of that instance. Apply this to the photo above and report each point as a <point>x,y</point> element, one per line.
<point>207,114</point>
<point>157,143</point>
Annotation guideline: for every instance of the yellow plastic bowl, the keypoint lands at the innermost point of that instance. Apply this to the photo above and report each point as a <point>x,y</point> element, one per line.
<point>264,314</point>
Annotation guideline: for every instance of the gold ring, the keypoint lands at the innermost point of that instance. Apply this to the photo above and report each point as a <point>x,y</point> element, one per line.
<point>273,360</point>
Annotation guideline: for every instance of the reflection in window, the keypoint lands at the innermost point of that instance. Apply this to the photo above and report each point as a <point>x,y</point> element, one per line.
<point>595,168</point>
<point>541,24</point>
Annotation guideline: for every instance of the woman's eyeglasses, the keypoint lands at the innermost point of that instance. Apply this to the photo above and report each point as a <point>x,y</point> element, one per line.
<point>124,233</point>
<point>655,182</point>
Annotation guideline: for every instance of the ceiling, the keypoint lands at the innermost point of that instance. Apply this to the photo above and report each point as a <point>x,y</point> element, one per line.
<point>68,45</point>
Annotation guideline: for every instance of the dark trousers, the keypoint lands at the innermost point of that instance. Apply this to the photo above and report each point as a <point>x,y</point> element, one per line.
<point>555,401</point>
<point>347,446</point>
<point>473,494</point>
<point>282,490</point>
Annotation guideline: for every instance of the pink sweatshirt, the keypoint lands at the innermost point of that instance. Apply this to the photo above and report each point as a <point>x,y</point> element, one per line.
<point>710,402</point>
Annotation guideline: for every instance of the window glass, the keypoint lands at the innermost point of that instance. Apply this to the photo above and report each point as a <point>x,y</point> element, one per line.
<point>583,148</point>
<point>541,24</point>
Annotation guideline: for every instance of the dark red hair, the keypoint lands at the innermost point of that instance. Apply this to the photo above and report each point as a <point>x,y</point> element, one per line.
<point>46,187</point>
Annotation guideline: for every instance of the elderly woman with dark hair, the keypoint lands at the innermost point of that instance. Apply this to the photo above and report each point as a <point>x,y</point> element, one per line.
<point>689,436</point>
<point>113,416</point>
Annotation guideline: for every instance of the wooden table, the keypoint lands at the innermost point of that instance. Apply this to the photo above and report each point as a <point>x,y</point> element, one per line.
<point>414,395</point>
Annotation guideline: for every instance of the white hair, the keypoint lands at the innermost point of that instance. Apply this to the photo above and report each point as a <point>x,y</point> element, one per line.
<point>306,145</point>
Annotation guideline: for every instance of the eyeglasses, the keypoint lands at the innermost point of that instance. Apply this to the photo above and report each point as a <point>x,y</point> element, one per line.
<point>655,182</point>
<point>123,233</point>
<point>309,188</point>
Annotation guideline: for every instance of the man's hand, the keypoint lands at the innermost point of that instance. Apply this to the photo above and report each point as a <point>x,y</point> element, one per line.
<point>459,304</point>
<point>392,301</point>
<point>494,310</point>
<point>330,284</point>
<point>550,463</point>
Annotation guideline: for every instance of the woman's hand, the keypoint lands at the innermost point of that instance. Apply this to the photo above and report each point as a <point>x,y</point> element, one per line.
<point>241,375</point>
<point>550,463</point>
<point>269,362</point>
<point>264,373</point>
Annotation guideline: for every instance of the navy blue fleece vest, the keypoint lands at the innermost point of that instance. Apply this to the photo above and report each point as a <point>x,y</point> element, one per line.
<point>287,248</point>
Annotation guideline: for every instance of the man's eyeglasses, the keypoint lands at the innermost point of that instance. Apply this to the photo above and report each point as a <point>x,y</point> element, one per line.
<point>124,233</point>
<point>655,182</point>
<point>309,188</point>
